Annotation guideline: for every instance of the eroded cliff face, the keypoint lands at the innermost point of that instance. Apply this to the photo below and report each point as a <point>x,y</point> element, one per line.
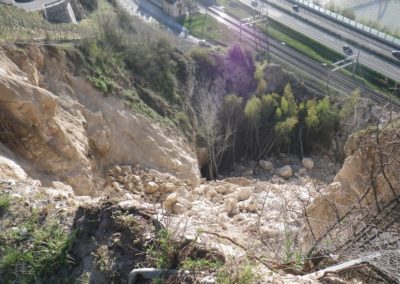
<point>66,130</point>
<point>368,181</point>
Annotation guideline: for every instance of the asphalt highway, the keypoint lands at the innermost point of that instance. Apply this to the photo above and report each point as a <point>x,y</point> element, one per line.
<point>311,67</point>
<point>366,58</point>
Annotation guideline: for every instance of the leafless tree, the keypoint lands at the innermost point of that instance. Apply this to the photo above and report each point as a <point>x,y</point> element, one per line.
<point>218,137</point>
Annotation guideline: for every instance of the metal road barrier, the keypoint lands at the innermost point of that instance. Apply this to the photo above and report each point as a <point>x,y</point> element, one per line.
<point>384,37</point>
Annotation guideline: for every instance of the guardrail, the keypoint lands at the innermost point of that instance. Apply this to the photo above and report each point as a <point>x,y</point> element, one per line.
<point>350,23</point>
<point>52,4</point>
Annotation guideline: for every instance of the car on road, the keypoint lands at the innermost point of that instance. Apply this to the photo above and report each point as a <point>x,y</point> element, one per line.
<point>254,3</point>
<point>347,50</point>
<point>396,54</point>
<point>295,8</point>
<point>203,43</point>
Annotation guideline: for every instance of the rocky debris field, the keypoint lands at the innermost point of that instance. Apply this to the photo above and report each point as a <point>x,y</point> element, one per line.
<point>238,218</point>
<point>241,217</point>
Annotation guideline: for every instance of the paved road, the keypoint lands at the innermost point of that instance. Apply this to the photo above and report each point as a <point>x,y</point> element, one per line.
<point>300,61</point>
<point>34,5</point>
<point>342,30</point>
<point>366,58</point>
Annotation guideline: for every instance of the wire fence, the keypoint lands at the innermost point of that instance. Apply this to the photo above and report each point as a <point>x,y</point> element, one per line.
<point>351,23</point>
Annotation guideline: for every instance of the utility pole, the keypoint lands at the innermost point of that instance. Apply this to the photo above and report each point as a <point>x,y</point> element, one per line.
<point>355,64</point>
<point>348,61</point>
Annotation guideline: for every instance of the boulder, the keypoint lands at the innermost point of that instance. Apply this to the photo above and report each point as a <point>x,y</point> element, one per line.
<point>126,170</point>
<point>285,172</point>
<point>117,187</point>
<point>231,207</point>
<point>302,172</point>
<point>136,179</point>
<point>170,200</point>
<point>179,208</point>
<point>221,189</point>
<point>249,205</point>
<point>207,280</point>
<point>151,187</point>
<point>208,191</point>
<point>169,187</point>
<point>308,163</point>
<point>266,165</point>
<point>244,193</point>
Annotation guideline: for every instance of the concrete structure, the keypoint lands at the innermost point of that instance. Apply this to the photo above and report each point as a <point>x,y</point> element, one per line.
<point>59,12</point>
<point>56,11</point>
<point>174,8</point>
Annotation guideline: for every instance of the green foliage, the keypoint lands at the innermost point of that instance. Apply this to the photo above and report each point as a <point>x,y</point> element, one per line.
<point>269,105</point>
<point>291,102</point>
<point>157,280</point>
<point>349,106</point>
<point>253,110</point>
<point>35,253</point>
<point>163,252</point>
<point>154,68</point>
<point>205,63</point>
<point>311,119</point>
<point>284,128</point>
<point>5,201</point>
<point>234,274</point>
<point>183,122</point>
<point>200,264</point>
<point>232,110</point>
<point>102,83</point>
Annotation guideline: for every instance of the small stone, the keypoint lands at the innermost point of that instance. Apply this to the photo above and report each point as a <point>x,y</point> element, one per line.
<point>117,169</point>
<point>207,280</point>
<point>170,200</point>
<point>218,198</point>
<point>136,179</point>
<point>308,163</point>
<point>248,205</point>
<point>121,179</point>
<point>266,165</point>
<point>179,208</point>
<point>285,172</point>
<point>126,170</point>
<point>244,193</point>
<point>302,172</point>
<point>209,192</point>
<point>222,189</point>
<point>130,186</point>
<point>151,187</point>
<point>169,187</point>
<point>117,187</point>
<point>231,207</point>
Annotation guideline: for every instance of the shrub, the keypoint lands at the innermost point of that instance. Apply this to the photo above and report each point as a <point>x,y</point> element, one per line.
<point>5,201</point>
<point>163,252</point>
<point>35,257</point>
<point>236,274</point>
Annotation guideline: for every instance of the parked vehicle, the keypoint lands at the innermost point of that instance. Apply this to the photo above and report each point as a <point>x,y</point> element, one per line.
<point>295,8</point>
<point>204,43</point>
<point>347,50</point>
<point>396,54</point>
